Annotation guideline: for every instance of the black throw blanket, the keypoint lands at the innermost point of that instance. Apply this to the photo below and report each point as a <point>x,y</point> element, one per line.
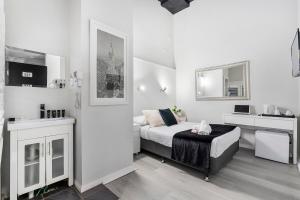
<point>193,149</point>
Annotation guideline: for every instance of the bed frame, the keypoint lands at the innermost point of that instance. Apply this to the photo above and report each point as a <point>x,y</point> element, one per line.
<point>215,163</point>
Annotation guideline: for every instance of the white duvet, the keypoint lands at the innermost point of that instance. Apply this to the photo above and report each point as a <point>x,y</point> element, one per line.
<point>164,135</point>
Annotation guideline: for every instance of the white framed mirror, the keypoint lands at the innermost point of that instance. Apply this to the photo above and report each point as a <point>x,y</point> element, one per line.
<point>225,82</point>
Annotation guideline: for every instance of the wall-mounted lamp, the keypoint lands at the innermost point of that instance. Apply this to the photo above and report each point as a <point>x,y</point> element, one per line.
<point>163,89</point>
<point>141,88</point>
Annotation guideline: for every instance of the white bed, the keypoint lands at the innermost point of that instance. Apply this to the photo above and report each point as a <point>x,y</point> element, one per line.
<point>164,136</point>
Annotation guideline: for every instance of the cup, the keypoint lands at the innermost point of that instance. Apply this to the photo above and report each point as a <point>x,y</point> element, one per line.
<point>53,113</point>
<point>267,109</point>
<point>58,113</point>
<point>277,112</point>
<point>48,114</point>
<point>288,113</point>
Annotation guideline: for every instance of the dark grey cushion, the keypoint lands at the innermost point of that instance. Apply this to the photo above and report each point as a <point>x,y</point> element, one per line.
<point>168,117</point>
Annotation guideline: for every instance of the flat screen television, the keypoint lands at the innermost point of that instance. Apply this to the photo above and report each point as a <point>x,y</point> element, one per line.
<point>21,74</point>
<point>295,50</point>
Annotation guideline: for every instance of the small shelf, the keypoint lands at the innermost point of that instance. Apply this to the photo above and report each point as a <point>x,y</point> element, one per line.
<point>32,163</point>
<point>57,157</point>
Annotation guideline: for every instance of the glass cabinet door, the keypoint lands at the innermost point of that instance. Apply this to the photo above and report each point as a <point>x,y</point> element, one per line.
<point>57,158</point>
<point>31,165</point>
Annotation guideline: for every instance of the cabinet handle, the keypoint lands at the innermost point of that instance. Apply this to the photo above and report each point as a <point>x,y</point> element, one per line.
<point>43,149</point>
<point>49,148</point>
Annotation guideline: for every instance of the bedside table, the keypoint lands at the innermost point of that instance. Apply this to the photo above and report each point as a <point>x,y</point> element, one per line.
<point>136,139</point>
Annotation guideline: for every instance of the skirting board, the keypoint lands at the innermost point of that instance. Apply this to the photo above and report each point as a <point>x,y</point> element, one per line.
<point>104,180</point>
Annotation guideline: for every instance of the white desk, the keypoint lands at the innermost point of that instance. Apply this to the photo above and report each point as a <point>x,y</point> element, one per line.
<point>289,125</point>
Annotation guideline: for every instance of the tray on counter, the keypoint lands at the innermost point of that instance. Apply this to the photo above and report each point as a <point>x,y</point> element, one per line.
<point>283,116</point>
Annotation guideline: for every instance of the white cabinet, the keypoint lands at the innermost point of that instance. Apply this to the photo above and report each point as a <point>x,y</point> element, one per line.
<point>41,153</point>
<point>280,123</point>
<point>247,120</point>
<point>56,158</point>
<point>31,165</point>
<point>272,146</point>
<point>41,162</point>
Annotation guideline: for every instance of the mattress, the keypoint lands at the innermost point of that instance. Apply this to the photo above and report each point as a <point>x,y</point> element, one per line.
<point>164,136</point>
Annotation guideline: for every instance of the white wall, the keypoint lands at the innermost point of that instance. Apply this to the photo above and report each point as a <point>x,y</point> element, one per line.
<point>62,28</point>
<point>106,130</point>
<point>153,32</point>
<point>298,13</point>
<point>40,25</point>
<point>153,77</point>
<point>75,65</point>
<point>2,52</point>
<point>298,26</point>
<point>215,32</point>
<point>2,58</point>
<point>25,102</point>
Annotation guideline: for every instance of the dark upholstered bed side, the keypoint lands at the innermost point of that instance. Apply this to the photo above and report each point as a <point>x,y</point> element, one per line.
<point>215,163</point>
<point>218,163</point>
<point>156,148</point>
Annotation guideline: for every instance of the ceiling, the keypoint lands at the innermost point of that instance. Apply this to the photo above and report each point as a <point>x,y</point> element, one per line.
<point>175,6</point>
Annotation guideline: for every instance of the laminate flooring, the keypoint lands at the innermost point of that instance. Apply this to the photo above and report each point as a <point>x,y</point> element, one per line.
<point>246,177</point>
<point>70,193</point>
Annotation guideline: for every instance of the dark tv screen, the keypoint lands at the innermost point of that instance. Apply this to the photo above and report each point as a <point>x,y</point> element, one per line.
<point>296,55</point>
<point>21,74</point>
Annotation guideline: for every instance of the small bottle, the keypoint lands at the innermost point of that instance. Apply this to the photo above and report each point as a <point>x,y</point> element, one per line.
<point>53,113</point>
<point>42,111</point>
<point>63,113</point>
<point>58,113</point>
<point>48,114</point>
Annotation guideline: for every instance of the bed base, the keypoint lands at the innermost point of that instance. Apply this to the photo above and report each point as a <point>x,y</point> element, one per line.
<point>215,163</point>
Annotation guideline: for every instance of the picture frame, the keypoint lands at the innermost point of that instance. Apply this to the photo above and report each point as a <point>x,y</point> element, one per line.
<point>108,65</point>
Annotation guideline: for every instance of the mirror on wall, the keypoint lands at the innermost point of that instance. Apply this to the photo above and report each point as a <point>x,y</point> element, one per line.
<point>226,82</point>
<point>26,68</point>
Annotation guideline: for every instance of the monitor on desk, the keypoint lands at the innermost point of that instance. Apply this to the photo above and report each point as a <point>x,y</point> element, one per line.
<point>242,109</point>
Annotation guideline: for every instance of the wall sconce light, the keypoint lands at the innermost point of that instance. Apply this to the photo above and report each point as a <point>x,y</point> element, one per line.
<point>163,89</point>
<point>141,88</point>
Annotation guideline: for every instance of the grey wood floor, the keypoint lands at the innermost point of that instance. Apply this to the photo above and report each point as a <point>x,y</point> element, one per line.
<point>245,177</point>
<point>70,193</point>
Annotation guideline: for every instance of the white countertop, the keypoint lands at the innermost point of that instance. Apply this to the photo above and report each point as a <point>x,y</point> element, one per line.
<point>37,123</point>
<point>262,117</point>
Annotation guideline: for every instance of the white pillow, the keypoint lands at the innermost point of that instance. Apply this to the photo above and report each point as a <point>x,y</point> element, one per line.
<point>140,120</point>
<point>153,118</point>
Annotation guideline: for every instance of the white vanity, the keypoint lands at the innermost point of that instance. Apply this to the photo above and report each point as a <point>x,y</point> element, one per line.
<point>288,126</point>
<point>41,153</point>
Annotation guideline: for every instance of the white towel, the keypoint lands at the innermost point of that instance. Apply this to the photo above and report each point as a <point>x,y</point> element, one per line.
<point>202,129</point>
<point>196,128</point>
<point>205,128</point>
